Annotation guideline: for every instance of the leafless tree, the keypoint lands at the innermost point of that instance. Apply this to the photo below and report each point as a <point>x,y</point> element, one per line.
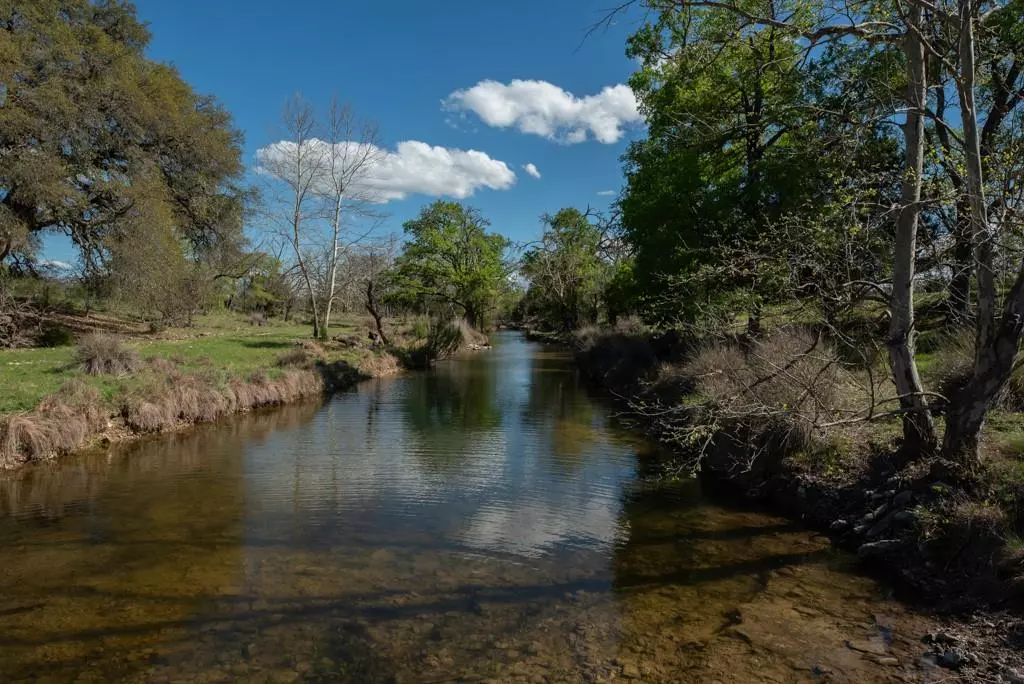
<point>353,152</point>
<point>297,163</point>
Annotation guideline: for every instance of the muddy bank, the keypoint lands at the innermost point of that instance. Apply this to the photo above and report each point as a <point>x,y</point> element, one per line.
<point>918,527</point>
<point>77,417</point>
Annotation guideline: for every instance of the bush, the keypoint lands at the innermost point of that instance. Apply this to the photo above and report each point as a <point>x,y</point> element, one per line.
<point>102,354</point>
<point>420,329</point>
<point>54,335</point>
<point>779,390</point>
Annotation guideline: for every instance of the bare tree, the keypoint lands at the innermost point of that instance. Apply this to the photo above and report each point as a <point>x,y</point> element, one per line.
<point>352,154</point>
<point>297,163</point>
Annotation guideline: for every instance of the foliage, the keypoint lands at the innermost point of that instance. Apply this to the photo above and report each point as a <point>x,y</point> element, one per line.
<point>450,260</point>
<point>90,128</point>
<point>749,174</point>
<point>565,270</point>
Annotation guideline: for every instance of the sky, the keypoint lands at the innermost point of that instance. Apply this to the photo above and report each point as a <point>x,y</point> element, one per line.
<point>510,107</point>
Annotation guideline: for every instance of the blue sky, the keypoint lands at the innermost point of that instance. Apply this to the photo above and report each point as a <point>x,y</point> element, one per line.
<point>398,62</point>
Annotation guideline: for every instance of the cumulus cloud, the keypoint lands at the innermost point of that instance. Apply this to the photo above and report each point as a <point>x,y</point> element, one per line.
<point>544,109</point>
<point>531,169</point>
<point>413,167</point>
<point>605,193</point>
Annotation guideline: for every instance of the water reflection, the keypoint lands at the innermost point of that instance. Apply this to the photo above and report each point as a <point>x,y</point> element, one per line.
<point>482,521</point>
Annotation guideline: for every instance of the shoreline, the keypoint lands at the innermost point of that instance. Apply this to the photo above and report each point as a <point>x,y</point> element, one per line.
<point>76,418</point>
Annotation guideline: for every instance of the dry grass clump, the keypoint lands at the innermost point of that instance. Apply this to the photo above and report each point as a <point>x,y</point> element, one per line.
<point>296,357</point>
<point>60,424</point>
<point>102,354</point>
<point>377,365</point>
<point>76,401</point>
<point>160,364</point>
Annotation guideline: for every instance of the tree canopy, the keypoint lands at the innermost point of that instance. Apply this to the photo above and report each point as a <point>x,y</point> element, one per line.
<point>93,135</point>
<point>450,259</point>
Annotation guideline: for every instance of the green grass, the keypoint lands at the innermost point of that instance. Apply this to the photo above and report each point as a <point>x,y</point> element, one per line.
<point>222,344</point>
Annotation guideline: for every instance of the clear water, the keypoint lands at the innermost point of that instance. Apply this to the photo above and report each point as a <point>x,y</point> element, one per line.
<point>481,522</point>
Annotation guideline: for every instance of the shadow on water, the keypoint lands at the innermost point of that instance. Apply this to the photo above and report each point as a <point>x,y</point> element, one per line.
<point>481,521</point>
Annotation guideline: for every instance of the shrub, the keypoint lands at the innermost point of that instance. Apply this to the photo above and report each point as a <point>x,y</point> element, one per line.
<point>54,335</point>
<point>779,391</point>
<point>420,329</point>
<point>102,354</point>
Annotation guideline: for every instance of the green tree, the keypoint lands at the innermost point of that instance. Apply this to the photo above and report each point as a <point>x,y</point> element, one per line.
<point>90,128</point>
<point>721,106</point>
<point>450,259</point>
<point>566,271</point>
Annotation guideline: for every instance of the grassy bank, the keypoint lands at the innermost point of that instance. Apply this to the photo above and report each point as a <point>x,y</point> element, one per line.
<point>108,386</point>
<point>783,420</point>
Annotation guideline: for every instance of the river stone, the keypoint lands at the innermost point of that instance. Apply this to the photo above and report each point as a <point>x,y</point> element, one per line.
<point>880,526</point>
<point>902,499</point>
<point>879,547</point>
<point>953,659</point>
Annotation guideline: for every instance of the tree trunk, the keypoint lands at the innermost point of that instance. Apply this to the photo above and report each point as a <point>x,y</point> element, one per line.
<point>333,281</point>
<point>371,306</point>
<point>919,434</point>
<point>754,321</point>
<point>997,341</point>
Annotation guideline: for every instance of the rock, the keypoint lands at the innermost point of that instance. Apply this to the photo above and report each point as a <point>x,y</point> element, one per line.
<point>952,659</point>
<point>879,527</point>
<point>879,547</point>
<point>630,671</point>
<point>904,518</point>
<point>889,660</point>
<point>902,499</point>
<point>943,638</point>
<point>871,647</point>
<point>1013,677</point>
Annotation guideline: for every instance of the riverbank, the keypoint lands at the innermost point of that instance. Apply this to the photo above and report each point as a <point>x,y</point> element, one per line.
<point>748,419</point>
<point>60,400</point>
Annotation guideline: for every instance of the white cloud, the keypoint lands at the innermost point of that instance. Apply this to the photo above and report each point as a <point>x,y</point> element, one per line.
<point>56,265</point>
<point>531,169</point>
<point>412,168</point>
<point>605,193</point>
<point>544,109</point>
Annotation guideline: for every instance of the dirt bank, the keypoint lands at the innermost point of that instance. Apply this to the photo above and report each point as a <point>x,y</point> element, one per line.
<point>78,416</point>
